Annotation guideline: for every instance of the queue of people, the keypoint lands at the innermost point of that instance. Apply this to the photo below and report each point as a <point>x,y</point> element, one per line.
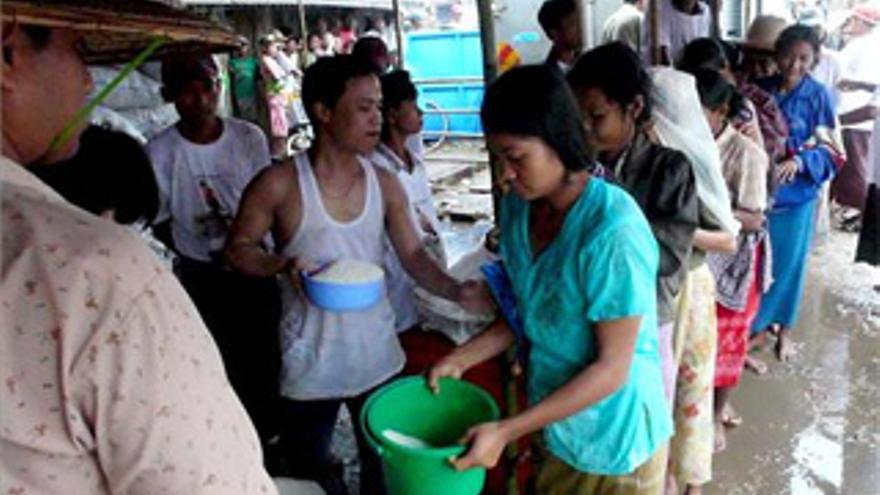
<point>642,267</point>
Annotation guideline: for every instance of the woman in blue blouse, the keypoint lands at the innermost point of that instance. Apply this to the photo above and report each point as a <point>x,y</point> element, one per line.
<point>812,152</point>
<point>583,265</point>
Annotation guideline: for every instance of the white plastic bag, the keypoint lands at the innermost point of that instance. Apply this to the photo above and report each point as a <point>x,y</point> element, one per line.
<point>137,90</point>
<point>444,316</point>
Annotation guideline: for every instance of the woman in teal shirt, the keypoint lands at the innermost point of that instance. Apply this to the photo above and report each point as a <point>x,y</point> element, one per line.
<point>583,265</point>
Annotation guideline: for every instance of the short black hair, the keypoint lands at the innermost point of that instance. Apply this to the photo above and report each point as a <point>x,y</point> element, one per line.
<point>703,53</point>
<point>552,12</point>
<point>111,170</point>
<point>715,91</point>
<point>180,69</point>
<point>397,87</point>
<point>795,34</point>
<point>325,81</point>
<point>368,49</point>
<point>616,70</point>
<point>535,101</point>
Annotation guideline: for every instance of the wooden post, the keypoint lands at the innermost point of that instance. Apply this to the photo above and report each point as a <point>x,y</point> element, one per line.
<point>585,16</point>
<point>398,32</point>
<point>490,73</point>
<point>746,18</point>
<point>304,33</point>
<point>715,32</point>
<point>654,19</point>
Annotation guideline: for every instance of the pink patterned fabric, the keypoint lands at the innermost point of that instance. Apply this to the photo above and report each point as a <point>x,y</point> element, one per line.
<point>109,380</point>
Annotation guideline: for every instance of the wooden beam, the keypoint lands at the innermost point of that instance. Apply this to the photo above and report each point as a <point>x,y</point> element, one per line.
<point>490,73</point>
<point>398,31</point>
<point>654,20</point>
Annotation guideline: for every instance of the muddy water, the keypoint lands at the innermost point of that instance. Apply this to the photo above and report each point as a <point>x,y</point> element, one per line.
<point>811,426</point>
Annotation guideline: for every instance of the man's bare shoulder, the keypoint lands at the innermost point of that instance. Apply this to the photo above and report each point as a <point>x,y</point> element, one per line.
<point>275,183</point>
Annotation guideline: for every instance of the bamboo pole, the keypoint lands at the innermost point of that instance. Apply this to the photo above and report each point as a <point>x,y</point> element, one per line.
<point>304,35</point>
<point>654,16</point>
<point>586,14</point>
<point>716,18</point>
<point>490,73</point>
<point>398,31</point>
<point>746,18</point>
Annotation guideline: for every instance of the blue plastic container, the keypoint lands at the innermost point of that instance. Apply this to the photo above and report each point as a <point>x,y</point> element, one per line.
<point>452,96</point>
<point>447,55</point>
<point>340,298</point>
<point>436,54</point>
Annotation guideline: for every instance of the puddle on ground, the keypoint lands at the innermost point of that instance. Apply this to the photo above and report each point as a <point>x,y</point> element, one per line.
<point>811,426</point>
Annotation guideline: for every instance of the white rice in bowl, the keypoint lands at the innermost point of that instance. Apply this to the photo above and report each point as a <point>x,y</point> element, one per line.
<point>349,271</point>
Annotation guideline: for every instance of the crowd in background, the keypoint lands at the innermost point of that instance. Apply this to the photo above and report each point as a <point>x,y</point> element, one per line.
<point>266,82</point>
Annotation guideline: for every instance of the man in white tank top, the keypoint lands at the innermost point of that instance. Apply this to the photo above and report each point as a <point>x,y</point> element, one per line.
<point>327,204</point>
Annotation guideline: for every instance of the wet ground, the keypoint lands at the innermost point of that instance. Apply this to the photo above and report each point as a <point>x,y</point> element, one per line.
<point>813,426</point>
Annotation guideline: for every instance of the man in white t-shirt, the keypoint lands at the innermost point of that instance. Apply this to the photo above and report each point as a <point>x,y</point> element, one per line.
<point>561,23</point>
<point>625,25</point>
<point>680,22</point>
<point>858,104</point>
<point>203,164</point>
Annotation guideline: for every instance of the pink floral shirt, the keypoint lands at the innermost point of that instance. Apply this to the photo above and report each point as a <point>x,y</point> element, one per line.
<point>109,380</point>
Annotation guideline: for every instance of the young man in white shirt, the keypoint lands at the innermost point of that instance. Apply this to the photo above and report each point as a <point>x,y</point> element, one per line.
<point>203,164</point>
<point>680,22</point>
<point>561,23</point>
<point>401,119</point>
<point>625,25</point>
<point>856,110</point>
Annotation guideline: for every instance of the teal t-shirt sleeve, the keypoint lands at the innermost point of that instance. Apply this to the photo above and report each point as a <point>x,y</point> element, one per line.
<point>620,274</point>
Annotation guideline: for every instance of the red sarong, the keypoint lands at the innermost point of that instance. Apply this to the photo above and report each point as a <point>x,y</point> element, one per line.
<point>733,332</point>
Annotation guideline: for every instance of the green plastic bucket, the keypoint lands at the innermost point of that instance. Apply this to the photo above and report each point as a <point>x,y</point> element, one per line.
<point>407,407</point>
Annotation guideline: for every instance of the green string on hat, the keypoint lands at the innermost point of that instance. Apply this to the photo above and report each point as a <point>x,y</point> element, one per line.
<point>83,114</point>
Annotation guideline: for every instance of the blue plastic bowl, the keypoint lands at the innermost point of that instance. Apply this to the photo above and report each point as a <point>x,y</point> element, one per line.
<point>339,298</point>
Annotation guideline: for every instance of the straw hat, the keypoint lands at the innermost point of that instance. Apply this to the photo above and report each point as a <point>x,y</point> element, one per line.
<point>763,32</point>
<point>117,30</point>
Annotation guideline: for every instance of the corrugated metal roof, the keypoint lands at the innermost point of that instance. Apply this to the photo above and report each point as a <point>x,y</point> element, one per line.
<point>360,4</point>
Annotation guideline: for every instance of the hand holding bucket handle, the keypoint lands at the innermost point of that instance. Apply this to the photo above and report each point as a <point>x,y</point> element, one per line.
<point>487,442</point>
<point>446,368</point>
